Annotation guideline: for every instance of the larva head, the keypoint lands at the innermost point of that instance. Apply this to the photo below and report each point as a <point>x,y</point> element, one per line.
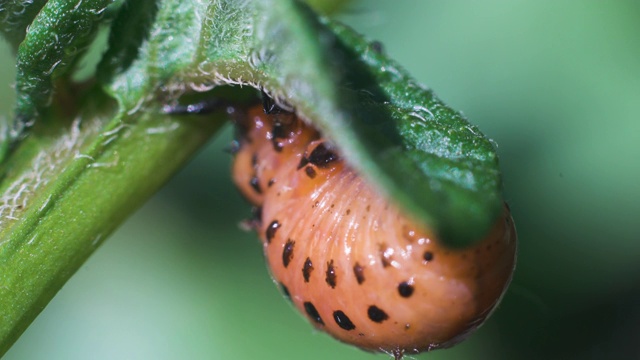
<point>265,143</point>
<point>361,270</point>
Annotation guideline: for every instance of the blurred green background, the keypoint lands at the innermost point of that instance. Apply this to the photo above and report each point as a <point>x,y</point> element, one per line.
<point>555,83</point>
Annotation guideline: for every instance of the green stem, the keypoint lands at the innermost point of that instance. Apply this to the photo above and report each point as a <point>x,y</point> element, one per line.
<point>71,184</point>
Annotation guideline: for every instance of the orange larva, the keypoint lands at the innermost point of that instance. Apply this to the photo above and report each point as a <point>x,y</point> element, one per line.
<point>350,260</point>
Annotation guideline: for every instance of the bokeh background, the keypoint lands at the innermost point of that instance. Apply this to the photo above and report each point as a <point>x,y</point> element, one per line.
<point>555,83</point>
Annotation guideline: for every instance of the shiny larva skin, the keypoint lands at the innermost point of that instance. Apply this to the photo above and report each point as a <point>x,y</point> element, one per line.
<point>351,261</point>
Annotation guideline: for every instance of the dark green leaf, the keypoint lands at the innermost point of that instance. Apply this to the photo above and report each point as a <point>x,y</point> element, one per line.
<point>57,36</point>
<point>15,16</point>
<point>430,157</point>
<point>393,130</point>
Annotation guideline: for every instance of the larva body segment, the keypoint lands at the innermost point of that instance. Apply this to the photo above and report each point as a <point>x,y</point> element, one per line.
<point>350,261</point>
<point>264,147</point>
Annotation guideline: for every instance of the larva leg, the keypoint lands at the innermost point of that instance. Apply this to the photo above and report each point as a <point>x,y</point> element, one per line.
<point>201,108</point>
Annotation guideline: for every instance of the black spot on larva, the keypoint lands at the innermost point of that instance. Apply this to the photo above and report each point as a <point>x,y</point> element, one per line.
<point>255,184</point>
<point>277,145</point>
<point>313,312</point>
<point>321,156</point>
<point>311,173</point>
<point>376,314</point>
<point>358,270</point>
<point>287,253</point>
<point>271,182</point>
<point>307,269</point>
<point>271,230</point>
<point>331,275</point>
<point>254,159</point>
<point>385,255</point>
<point>285,291</point>
<point>304,161</point>
<point>348,211</point>
<point>279,131</point>
<point>427,256</point>
<point>343,320</point>
<point>405,289</point>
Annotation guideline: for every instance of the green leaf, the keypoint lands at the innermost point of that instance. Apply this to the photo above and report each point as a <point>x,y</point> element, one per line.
<point>397,133</point>
<point>58,34</point>
<point>426,155</point>
<point>15,17</point>
<point>393,130</point>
